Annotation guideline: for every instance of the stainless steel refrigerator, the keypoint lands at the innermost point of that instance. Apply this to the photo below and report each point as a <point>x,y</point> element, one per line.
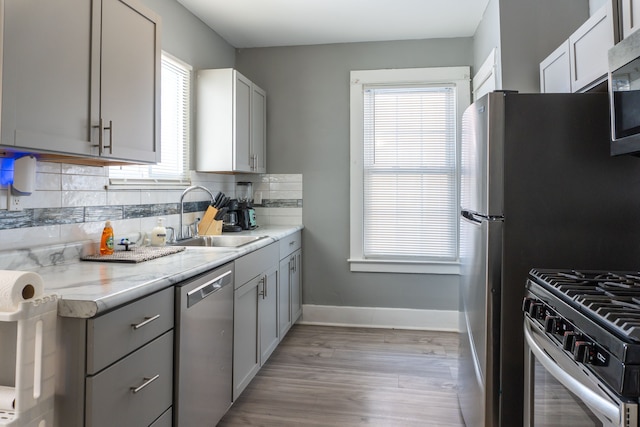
<point>538,189</point>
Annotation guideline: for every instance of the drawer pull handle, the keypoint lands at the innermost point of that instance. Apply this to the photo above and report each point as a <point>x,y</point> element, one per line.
<point>146,382</point>
<point>291,243</point>
<point>146,321</point>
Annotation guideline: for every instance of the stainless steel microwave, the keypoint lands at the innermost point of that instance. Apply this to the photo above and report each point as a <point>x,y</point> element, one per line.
<point>624,93</point>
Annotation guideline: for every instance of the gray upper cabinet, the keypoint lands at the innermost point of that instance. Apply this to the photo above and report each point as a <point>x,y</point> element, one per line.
<point>67,64</point>
<point>45,75</point>
<point>129,75</point>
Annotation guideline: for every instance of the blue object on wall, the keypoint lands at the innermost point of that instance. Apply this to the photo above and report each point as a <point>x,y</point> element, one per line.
<point>6,171</point>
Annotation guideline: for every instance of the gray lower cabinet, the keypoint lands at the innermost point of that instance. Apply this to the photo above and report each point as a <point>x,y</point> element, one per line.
<point>117,368</point>
<point>134,391</point>
<point>255,329</point>
<point>290,285</point>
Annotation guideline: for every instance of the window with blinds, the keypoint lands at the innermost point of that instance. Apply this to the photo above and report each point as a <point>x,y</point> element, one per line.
<point>410,183</point>
<point>404,182</point>
<point>174,143</point>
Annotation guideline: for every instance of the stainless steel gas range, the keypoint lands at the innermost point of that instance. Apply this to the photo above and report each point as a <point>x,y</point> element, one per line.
<point>582,348</point>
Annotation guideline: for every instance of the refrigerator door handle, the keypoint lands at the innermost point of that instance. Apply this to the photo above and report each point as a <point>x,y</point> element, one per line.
<point>478,218</point>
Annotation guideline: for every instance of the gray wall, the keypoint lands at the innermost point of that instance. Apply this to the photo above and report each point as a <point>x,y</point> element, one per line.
<point>308,133</point>
<point>189,39</point>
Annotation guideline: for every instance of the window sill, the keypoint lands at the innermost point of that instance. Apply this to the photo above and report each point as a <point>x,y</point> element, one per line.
<point>395,266</point>
<point>146,184</point>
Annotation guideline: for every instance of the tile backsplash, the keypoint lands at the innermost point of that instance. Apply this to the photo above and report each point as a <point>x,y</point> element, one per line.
<point>71,203</point>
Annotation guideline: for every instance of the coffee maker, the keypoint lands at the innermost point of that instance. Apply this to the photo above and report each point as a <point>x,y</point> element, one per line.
<point>245,211</point>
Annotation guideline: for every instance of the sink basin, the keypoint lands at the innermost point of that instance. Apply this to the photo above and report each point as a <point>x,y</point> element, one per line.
<point>219,241</point>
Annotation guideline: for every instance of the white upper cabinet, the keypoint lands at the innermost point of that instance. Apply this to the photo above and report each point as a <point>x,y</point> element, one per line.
<point>581,62</point>
<point>258,146</point>
<point>630,10</point>
<point>66,64</point>
<point>555,71</point>
<point>588,49</point>
<point>230,123</point>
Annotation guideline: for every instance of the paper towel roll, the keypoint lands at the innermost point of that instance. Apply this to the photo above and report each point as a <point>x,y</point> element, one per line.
<point>17,286</point>
<point>7,398</point>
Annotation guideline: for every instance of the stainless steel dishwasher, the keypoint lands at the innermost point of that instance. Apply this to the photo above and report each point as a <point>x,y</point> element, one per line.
<point>204,348</point>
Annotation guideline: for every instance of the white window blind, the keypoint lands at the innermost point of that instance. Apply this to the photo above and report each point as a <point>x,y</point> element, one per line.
<point>174,142</point>
<point>410,173</point>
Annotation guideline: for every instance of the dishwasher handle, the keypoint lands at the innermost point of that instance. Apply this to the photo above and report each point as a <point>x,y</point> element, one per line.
<point>203,291</point>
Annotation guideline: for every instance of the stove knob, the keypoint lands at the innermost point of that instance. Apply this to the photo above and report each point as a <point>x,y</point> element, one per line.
<point>552,324</point>
<point>526,303</point>
<point>569,340</point>
<point>583,351</point>
<point>536,310</point>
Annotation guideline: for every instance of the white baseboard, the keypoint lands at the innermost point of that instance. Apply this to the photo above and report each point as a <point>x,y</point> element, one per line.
<point>375,317</point>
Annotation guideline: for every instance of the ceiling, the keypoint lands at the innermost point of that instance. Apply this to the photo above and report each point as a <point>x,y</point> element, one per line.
<point>265,23</point>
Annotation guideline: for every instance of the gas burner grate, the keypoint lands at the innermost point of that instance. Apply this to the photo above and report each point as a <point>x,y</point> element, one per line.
<point>609,298</point>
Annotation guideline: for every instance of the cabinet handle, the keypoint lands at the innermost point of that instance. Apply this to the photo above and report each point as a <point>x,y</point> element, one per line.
<point>110,146</point>
<point>146,382</point>
<point>291,243</point>
<point>146,321</point>
<point>293,264</point>
<point>264,286</point>
<point>101,130</point>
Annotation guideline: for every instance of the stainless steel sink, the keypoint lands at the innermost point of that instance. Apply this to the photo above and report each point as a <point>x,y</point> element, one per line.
<point>219,241</point>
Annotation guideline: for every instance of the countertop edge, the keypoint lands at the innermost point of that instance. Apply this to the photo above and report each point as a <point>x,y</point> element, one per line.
<point>77,306</point>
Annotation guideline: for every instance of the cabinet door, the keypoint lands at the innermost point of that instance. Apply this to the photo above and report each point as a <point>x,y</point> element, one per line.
<point>268,310</point>
<point>46,75</point>
<point>630,16</point>
<point>284,301</point>
<point>258,130</point>
<point>588,49</point>
<point>129,75</point>
<point>296,286</point>
<point>555,71</point>
<point>242,124</point>
<point>246,356</point>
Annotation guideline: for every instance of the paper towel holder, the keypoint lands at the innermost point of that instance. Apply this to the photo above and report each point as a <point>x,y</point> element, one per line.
<point>24,176</point>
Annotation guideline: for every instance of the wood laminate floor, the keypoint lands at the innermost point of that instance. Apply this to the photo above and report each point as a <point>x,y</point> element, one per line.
<point>335,376</point>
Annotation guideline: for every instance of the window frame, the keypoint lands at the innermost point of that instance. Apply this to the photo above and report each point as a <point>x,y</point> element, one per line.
<point>359,79</point>
<point>165,183</point>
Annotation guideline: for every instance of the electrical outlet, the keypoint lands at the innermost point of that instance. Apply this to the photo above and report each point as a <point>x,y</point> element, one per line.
<point>14,203</point>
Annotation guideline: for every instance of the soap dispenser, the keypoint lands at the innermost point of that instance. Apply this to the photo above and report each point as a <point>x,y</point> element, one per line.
<point>106,241</point>
<point>159,234</point>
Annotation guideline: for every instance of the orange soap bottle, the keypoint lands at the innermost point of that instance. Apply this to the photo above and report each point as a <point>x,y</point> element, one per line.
<point>106,242</point>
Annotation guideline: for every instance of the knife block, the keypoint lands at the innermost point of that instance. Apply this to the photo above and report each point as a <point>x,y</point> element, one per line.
<point>208,226</point>
<point>215,228</point>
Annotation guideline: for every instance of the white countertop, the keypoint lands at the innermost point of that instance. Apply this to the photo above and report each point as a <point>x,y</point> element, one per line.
<point>88,288</point>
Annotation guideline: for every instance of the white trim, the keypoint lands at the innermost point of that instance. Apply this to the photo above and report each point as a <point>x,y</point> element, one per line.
<point>486,75</point>
<point>459,76</point>
<point>380,317</point>
<point>413,267</point>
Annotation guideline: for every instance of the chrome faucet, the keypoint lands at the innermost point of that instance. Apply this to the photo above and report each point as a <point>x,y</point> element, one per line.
<point>184,193</point>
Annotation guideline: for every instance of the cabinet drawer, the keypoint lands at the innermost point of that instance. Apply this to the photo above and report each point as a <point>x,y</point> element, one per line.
<point>118,396</point>
<point>118,333</point>
<point>165,420</point>
<point>255,263</point>
<point>290,244</point>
